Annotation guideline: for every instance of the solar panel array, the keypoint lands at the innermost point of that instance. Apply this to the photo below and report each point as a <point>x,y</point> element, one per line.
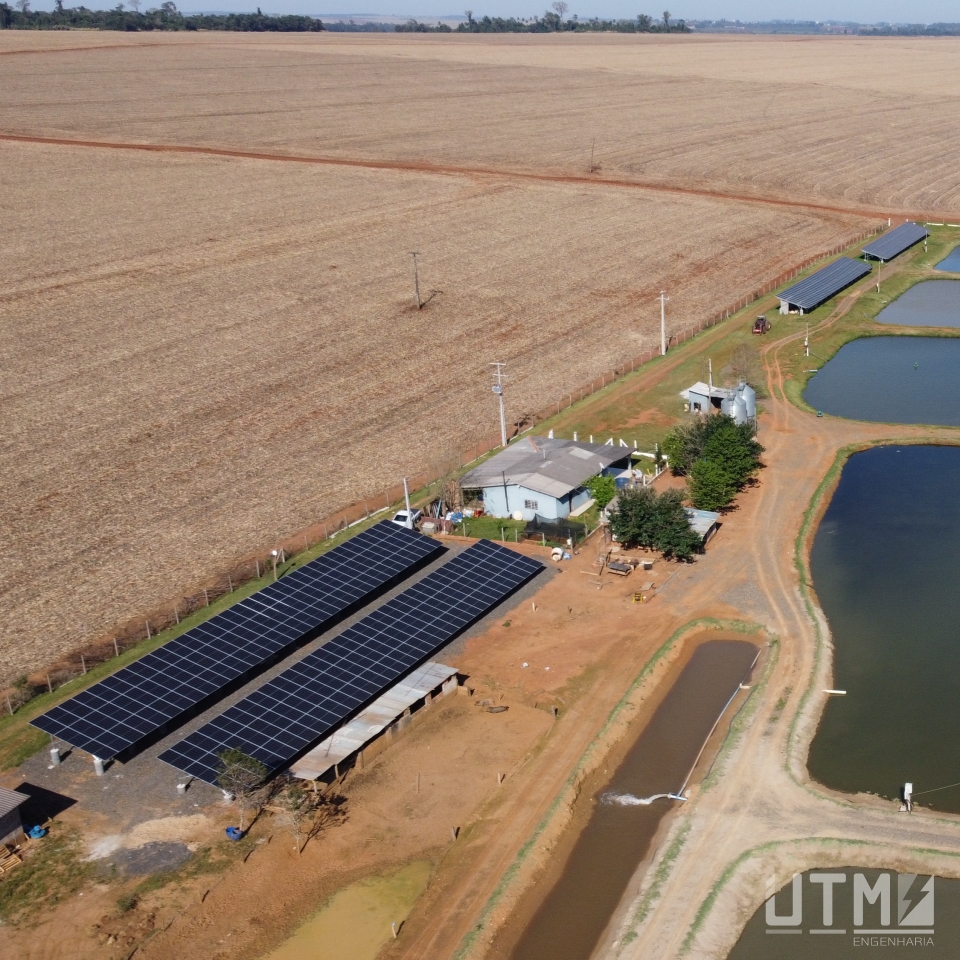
<point>302,705</point>
<point>197,668</point>
<point>894,242</point>
<point>822,285</point>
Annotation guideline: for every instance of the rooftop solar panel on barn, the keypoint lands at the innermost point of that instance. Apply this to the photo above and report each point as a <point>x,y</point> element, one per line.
<point>894,242</point>
<point>301,706</point>
<point>164,687</point>
<point>825,283</point>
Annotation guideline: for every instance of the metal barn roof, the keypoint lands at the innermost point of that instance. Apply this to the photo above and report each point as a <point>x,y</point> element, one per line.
<point>552,467</point>
<point>822,285</point>
<point>894,242</point>
<point>10,800</point>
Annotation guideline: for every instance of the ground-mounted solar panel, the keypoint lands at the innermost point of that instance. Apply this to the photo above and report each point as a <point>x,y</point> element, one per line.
<point>159,691</point>
<point>892,243</point>
<point>306,702</point>
<point>810,292</point>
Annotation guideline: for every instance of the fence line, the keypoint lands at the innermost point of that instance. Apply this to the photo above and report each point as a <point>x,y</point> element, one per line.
<point>122,638</point>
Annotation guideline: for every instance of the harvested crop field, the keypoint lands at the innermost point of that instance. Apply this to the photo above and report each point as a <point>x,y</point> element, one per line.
<point>203,353</point>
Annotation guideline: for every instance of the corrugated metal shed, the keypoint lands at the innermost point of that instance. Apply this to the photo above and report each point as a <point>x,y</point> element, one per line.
<point>552,467</point>
<point>10,800</point>
<point>810,292</point>
<point>894,242</point>
<point>356,734</point>
<point>701,521</point>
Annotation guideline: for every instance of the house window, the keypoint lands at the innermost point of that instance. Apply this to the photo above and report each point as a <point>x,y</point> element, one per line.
<point>531,504</point>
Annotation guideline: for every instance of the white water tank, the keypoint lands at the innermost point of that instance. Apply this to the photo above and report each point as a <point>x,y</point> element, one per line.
<point>750,399</point>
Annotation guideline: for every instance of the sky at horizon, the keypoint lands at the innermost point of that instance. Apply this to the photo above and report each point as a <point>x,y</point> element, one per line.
<point>856,11</point>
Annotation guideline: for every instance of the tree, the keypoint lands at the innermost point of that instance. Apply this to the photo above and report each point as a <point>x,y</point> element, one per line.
<point>711,485</point>
<point>644,518</point>
<point>298,808</point>
<point>469,14</point>
<point>666,20</point>
<point>134,5</point>
<point>242,776</point>
<point>602,489</point>
<point>23,6</point>
<point>6,16</point>
<point>729,458</point>
<point>561,7</point>
<point>644,23</point>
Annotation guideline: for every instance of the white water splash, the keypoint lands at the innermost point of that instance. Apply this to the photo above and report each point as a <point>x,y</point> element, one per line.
<point>629,800</point>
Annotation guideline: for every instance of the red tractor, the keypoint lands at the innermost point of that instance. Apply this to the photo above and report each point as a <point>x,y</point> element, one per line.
<point>761,325</point>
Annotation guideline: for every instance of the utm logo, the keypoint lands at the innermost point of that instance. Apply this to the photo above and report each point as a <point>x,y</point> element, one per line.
<point>893,910</point>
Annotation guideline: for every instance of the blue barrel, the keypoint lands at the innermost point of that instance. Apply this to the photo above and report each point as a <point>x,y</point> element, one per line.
<point>233,833</point>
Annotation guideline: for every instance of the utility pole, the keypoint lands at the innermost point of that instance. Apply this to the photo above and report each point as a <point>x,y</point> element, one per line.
<point>663,323</point>
<point>498,390</point>
<point>416,279</point>
<point>806,342</point>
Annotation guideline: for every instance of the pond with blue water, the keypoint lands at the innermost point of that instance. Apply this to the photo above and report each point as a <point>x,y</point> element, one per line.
<point>951,263</point>
<point>932,303</point>
<point>885,565</point>
<point>891,380</point>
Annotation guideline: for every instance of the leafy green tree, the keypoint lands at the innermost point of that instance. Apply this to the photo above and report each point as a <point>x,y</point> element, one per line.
<point>602,489</point>
<point>242,776</point>
<point>711,486</point>
<point>730,457</point>
<point>644,518</point>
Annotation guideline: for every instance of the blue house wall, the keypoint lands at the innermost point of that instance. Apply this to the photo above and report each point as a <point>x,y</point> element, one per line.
<point>521,498</point>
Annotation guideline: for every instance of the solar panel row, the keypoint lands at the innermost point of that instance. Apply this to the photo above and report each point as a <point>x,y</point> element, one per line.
<point>825,283</point>
<point>164,687</point>
<point>894,242</point>
<point>301,706</point>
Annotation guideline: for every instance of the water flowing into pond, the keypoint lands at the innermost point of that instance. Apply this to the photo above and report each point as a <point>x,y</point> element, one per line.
<point>629,807</point>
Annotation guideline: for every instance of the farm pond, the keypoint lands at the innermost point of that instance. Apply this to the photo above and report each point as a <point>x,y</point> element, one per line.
<point>933,303</point>
<point>891,380</point>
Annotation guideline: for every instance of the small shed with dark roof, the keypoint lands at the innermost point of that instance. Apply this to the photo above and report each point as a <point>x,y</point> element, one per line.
<point>11,827</point>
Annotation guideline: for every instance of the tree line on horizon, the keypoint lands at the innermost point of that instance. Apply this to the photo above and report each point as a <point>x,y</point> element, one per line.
<point>164,17</point>
<point>128,17</point>
<point>553,21</point>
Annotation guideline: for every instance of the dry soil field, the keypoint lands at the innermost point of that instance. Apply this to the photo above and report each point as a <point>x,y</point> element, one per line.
<point>202,353</point>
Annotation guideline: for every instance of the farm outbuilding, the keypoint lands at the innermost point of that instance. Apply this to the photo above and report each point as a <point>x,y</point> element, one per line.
<point>543,477</point>
<point>11,826</point>
<point>819,287</point>
<point>894,242</point>
<point>739,402</point>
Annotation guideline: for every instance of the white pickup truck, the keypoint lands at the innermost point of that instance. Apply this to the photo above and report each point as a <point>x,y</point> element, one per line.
<point>407,518</point>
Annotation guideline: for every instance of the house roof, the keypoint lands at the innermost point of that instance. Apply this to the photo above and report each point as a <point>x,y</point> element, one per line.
<point>10,800</point>
<point>551,467</point>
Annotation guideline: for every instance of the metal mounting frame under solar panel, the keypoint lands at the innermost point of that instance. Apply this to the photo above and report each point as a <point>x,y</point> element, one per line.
<point>810,292</point>
<point>892,243</point>
<point>301,706</point>
<point>143,701</point>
